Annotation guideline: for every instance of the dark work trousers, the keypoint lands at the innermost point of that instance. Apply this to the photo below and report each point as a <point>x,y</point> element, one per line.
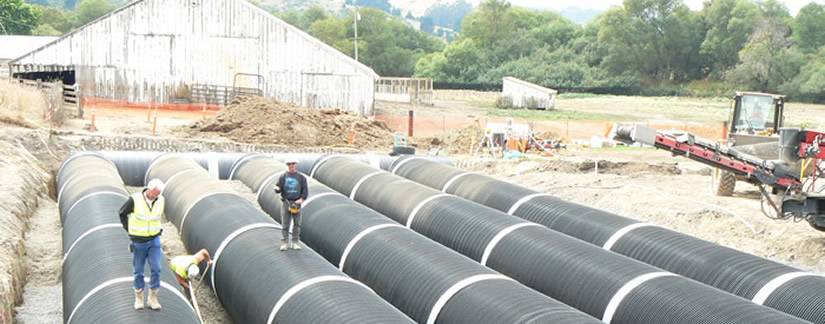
<point>288,218</point>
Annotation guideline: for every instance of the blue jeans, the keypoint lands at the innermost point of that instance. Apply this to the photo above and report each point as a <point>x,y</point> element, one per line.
<point>142,251</point>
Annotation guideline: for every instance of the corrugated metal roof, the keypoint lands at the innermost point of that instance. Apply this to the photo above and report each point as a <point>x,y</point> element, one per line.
<point>14,46</point>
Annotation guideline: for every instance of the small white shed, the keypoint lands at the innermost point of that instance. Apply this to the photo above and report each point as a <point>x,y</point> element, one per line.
<point>525,94</point>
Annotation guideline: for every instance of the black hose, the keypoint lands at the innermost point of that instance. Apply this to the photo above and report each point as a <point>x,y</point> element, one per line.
<point>410,271</point>
<point>764,281</point>
<point>254,281</point>
<point>97,266</point>
<point>588,278</point>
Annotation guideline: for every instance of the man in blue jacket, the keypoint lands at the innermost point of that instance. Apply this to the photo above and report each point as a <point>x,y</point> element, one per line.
<point>293,188</point>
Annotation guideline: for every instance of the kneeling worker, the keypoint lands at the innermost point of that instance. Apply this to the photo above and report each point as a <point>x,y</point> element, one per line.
<point>186,269</point>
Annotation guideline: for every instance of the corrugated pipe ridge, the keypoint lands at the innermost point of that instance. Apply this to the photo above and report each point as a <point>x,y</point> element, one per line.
<point>766,282</point>
<point>133,165</point>
<point>254,281</point>
<point>605,285</point>
<point>426,280</point>
<point>97,265</point>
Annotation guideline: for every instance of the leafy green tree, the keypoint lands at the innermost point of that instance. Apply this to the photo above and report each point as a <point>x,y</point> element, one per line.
<point>659,39</point>
<point>809,27</point>
<point>766,61</point>
<point>810,82</point>
<point>490,23</point>
<point>729,23</point>
<point>18,18</point>
<point>57,19</point>
<point>333,32</point>
<point>89,10</point>
<point>46,30</point>
<point>310,16</point>
<point>291,17</point>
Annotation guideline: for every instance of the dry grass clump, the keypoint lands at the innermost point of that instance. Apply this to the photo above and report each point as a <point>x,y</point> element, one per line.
<point>22,106</point>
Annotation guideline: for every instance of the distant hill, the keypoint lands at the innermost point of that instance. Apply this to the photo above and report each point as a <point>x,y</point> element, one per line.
<point>579,15</point>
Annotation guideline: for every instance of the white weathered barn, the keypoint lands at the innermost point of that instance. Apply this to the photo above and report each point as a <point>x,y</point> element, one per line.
<point>195,50</point>
<point>14,46</point>
<point>526,94</point>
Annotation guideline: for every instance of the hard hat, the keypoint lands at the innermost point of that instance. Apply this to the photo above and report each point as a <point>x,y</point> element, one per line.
<point>156,183</point>
<point>290,159</point>
<point>193,271</point>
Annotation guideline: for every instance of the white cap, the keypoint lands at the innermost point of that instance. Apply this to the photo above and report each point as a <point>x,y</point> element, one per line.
<point>291,159</point>
<point>156,183</point>
<point>193,271</point>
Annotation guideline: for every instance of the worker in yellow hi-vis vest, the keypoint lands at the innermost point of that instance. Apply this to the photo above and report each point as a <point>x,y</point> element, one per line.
<point>186,269</point>
<point>140,216</point>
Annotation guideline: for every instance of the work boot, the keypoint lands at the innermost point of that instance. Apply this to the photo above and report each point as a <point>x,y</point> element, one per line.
<point>284,246</point>
<point>138,299</point>
<point>153,299</point>
<point>295,245</point>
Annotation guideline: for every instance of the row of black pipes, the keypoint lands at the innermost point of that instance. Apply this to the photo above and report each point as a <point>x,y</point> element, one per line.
<point>427,281</point>
<point>229,164</point>
<point>763,281</point>
<point>607,286</point>
<point>253,280</point>
<point>97,265</point>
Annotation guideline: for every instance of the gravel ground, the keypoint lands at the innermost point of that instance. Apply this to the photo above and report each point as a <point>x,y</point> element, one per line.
<point>43,292</point>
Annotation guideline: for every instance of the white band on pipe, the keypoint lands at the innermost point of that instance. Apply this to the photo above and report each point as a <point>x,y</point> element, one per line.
<point>84,153</point>
<point>620,233</point>
<point>445,297</point>
<point>454,178</point>
<point>613,305</point>
<point>212,165</point>
<point>775,283</point>
<point>524,200</point>
<point>421,204</point>
<point>228,239</point>
<point>375,162</point>
<point>397,166</point>
<point>185,214</point>
<point>60,190</point>
<point>156,160</point>
<point>239,162</point>
<point>92,195</point>
<point>319,163</point>
<point>492,244</point>
<point>90,231</point>
<point>306,283</point>
<point>100,287</point>
<point>358,184</point>
<point>311,198</point>
<point>358,238</point>
<point>263,184</point>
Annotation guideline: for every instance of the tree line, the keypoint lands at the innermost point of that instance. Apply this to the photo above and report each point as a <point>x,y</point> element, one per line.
<point>648,47</point>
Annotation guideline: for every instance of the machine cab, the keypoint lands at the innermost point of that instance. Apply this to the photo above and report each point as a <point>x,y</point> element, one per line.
<point>757,113</point>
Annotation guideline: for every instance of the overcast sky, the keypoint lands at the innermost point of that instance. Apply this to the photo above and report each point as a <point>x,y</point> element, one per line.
<point>793,5</point>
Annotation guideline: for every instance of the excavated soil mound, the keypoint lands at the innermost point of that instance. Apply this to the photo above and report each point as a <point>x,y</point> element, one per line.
<point>267,121</point>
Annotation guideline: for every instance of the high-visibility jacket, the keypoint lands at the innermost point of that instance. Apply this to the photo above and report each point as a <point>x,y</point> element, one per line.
<point>180,265</point>
<point>145,221</point>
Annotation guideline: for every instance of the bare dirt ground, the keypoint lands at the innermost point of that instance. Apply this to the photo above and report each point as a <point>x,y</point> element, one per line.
<point>643,184</point>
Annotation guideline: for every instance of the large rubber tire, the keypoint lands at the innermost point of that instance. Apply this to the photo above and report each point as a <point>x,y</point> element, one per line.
<point>723,183</point>
<point>816,226</point>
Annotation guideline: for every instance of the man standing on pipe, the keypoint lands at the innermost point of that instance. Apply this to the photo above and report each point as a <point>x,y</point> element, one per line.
<point>140,216</point>
<point>293,188</point>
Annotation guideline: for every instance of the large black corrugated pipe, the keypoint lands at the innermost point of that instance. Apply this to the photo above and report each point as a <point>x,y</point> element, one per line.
<point>603,284</point>
<point>383,162</point>
<point>422,278</point>
<point>765,282</point>
<point>132,165</point>
<point>97,266</point>
<point>254,281</point>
